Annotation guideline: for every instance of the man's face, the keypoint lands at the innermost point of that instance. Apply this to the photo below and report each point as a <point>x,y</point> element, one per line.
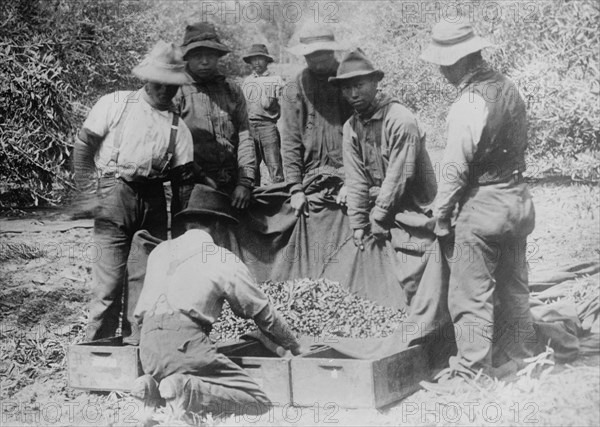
<point>321,61</point>
<point>360,92</point>
<point>454,73</point>
<point>259,64</point>
<point>203,61</point>
<point>161,94</point>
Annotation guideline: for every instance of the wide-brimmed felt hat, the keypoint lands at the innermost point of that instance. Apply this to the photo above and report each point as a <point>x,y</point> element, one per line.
<point>258,50</point>
<point>202,34</point>
<point>164,64</point>
<point>205,200</point>
<point>314,37</point>
<point>355,64</point>
<point>452,41</point>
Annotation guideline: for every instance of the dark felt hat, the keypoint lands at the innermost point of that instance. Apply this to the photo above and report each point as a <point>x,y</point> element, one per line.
<point>205,200</point>
<point>202,34</point>
<point>355,64</point>
<point>257,50</point>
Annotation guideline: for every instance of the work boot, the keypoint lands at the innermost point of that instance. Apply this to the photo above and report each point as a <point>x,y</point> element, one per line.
<point>145,391</point>
<point>174,389</point>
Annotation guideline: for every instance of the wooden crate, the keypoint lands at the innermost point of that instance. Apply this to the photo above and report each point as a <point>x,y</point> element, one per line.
<point>271,372</point>
<point>326,377</point>
<point>103,365</point>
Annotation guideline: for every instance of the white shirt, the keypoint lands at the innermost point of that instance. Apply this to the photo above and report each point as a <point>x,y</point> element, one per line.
<point>144,134</point>
<point>465,123</point>
<point>195,276</point>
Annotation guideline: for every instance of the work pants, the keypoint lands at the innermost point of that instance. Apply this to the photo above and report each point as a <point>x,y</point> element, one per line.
<point>488,295</point>
<point>172,343</point>
<point>123,209</point>
<point>268,149</point>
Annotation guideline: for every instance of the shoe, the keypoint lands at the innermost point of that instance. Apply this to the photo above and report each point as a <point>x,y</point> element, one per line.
<point>174,390</point>
<point>145,391</point>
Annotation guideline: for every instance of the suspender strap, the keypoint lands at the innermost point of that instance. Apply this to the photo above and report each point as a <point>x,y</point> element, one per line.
<point>172,141</point>
<point>114,157</point>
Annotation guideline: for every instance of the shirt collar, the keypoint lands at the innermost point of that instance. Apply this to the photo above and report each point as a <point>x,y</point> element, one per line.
<point>197,235</point>
<point>265,74</point>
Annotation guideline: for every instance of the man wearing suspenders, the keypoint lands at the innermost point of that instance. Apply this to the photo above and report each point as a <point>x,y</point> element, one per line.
<point>130,143</point>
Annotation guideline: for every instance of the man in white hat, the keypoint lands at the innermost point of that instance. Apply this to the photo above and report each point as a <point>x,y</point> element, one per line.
<point>313,113</point>
<point>130,143</point>
<point>262,90</point>
<point>387,167</point>
<point>485,152</point>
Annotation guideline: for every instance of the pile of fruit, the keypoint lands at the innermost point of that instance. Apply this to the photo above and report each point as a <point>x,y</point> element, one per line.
<point>316,308</point>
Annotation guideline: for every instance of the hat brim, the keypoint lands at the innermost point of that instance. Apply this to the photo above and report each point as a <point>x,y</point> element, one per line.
<point>247,58</point>
<point>378,74</point>
<point>191,212</point>
<point>306,49</point>
<point>450,54</point>
<point>161,75</point>
<point>210,44</point>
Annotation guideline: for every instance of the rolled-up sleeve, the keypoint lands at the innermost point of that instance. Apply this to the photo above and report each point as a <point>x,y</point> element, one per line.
<point>465,124</point>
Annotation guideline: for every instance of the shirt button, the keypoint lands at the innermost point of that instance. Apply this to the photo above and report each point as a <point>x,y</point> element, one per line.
<point>170,312</point>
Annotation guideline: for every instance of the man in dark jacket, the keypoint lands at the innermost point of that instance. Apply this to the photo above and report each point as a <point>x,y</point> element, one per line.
<point>214,109</point>
<point>485,151</point>
<point>313,113</point>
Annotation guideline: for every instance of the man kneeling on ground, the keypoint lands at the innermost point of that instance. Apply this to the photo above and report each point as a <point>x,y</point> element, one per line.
<point>187,281</point>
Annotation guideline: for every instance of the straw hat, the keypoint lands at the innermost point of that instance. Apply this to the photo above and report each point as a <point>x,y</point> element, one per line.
<point>205,200</point>
<point>452,41</point>
<point>257,50</point>
<point>202,34</point>
<point>314,37</point>
<point>164,64</point>
<point>355,64</point>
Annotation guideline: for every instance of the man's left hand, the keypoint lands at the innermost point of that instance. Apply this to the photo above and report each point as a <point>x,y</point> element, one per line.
<point>379,231</point>
<point>241,197</point>
<point>442,227</point>
<point>341,197</point>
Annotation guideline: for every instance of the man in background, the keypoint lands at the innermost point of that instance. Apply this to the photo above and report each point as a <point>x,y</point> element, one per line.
<point>313,114</point>
<point>214,109</point>
<point>262,91</point>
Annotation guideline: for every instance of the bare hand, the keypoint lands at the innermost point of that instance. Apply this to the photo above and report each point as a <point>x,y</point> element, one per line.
<point>442,227</point>
<point>301,349</point>
<point>211,182</point>
<point>299,203</point>
<point>341,197</point>
<point>378,231</point>
<point>358,237</point>
<point>241,197</point>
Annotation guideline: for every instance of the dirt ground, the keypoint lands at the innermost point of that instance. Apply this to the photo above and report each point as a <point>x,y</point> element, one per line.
<point>45,280</point>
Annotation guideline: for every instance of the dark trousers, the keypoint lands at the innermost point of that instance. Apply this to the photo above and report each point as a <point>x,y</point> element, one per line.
<point>488,296</point>
<point>268,149</point>
<point>124,208</point>
<point>171,343</point>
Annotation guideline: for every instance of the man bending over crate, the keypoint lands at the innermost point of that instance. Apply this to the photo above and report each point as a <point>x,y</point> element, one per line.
<point>187,281</point>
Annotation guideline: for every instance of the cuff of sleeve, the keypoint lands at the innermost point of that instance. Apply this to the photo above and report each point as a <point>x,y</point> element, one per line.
<point>359,224</point>
<point>246,182</point>
<point>296,187</point>
<point>379,214</point>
